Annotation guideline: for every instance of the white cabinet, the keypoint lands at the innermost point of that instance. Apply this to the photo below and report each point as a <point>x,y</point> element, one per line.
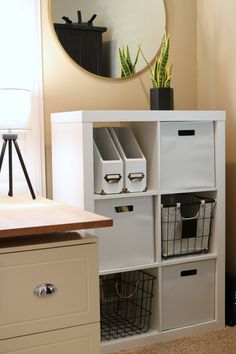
<point>48,302</point>
<point>184,153</point>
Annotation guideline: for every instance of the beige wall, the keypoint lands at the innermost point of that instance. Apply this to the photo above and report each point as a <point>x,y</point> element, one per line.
<point>216,90</point>
<point>67,87</point>
<point>204,73</point>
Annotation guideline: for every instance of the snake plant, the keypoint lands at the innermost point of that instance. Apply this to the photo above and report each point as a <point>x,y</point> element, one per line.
<point>161,73</point>
<point>127,66</point>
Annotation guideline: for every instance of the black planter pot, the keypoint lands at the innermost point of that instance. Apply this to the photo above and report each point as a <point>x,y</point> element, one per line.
<point>162,98</point>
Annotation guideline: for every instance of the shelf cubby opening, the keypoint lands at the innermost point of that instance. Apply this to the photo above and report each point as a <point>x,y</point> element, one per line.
<point>186,224</point>
<point>126,304</point>
<point>146,135</point>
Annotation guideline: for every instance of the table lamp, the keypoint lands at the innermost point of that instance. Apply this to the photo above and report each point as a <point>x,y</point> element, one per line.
<point>15,108</point>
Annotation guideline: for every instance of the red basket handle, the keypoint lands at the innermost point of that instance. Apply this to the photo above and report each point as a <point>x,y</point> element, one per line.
<point>127,296</point>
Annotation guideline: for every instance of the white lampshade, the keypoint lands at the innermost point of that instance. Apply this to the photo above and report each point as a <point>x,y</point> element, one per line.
<point>15,108</point>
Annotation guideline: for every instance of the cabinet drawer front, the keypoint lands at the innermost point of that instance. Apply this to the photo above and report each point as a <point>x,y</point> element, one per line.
<point>77,340</point>
<point>71,270</point>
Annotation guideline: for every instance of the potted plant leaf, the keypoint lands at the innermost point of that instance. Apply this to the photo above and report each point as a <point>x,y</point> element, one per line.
<point>161,94</point>
<point>127,66</point>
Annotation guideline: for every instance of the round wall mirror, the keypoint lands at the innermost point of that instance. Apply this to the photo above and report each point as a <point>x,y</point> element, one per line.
<point>92,31</point>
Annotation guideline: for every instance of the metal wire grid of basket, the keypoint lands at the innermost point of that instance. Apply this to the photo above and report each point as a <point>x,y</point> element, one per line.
<point>173,244</point>
<point>126,304</point>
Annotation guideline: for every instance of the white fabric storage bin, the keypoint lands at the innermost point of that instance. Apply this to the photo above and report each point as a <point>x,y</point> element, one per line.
<point>187,151</point>
<point>133,158</point>
<point>108,165</point>
<point>130,241</point>
<point>188,294</point>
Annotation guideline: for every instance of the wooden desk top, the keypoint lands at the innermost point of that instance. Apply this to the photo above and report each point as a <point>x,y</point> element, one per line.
<point>23,216</point>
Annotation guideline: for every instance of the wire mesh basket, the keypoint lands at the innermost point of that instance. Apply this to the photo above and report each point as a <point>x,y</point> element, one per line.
<point>126,304</point>
<point>186,222</point>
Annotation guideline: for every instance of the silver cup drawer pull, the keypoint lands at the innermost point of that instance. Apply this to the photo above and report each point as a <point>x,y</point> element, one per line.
<point>45,290</point>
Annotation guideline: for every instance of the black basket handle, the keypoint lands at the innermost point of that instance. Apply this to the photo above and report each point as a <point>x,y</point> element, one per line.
<point>126,296</point>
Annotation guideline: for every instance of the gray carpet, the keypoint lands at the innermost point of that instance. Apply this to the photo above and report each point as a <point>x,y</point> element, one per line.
<point>215,342</point>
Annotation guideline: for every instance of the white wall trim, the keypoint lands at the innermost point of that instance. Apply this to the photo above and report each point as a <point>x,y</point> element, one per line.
<point>35,138</point>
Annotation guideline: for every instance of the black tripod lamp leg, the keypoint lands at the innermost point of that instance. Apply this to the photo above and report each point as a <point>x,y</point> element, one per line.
<point>10,193</point>
<point>24,169</point>
<point>4,144</point>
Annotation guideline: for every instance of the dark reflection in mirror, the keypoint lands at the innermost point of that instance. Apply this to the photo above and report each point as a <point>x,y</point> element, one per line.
<point>83,42</point>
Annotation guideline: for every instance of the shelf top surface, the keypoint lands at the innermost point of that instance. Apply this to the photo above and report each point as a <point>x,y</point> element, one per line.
<point>23,216</point>
<point>135,116</point>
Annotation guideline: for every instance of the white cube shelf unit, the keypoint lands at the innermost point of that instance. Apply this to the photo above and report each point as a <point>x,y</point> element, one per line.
<point>185,153</point>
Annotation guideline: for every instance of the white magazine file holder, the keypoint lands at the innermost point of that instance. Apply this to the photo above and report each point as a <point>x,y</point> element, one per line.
<point>108,165</point>
<point>133,158</point>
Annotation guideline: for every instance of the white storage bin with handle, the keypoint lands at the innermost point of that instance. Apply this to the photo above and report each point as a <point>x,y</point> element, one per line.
<point>133,158</point>
<point>130,242</point>
<point>188,294</point>
<point>187,150</point>
<point>108,165</point>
